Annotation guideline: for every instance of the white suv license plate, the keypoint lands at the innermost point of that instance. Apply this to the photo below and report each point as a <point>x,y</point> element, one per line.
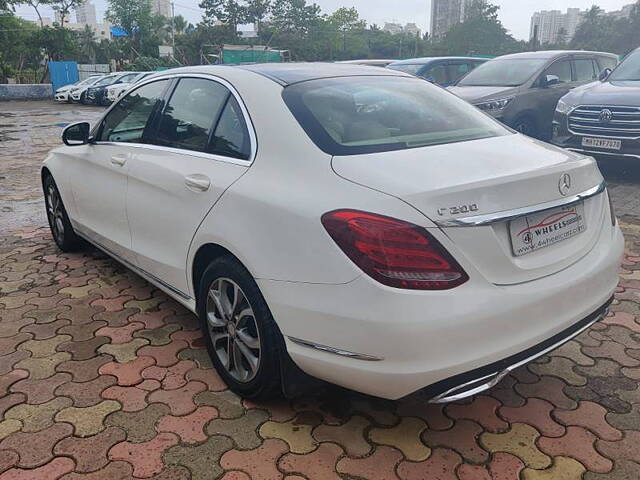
<point>606,143</point>
<point>540,230</point>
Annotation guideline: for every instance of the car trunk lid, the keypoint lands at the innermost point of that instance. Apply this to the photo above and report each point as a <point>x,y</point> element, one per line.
<point>488,177</point>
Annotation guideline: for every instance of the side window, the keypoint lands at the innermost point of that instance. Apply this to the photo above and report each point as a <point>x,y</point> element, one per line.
<point>457,71</point>
<point>188,118</point>
<point>231,137</point>
<point>437,74</point>
<point>606,62</point>
<point>585,71</point>
<point>561,69</point>
<point>128,119</point>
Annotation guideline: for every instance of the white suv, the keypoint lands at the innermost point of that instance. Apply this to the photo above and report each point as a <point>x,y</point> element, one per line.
<point>361,224</point>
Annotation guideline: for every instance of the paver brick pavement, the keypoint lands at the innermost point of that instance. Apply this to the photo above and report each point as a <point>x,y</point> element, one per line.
<point>104,377</point>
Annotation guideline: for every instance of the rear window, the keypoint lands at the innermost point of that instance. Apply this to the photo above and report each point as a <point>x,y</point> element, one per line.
<point>356,115</point>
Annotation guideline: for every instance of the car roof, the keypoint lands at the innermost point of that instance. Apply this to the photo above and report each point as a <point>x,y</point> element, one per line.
<point>550,54</point>
<point>425,60</point>
<point>290,73</point>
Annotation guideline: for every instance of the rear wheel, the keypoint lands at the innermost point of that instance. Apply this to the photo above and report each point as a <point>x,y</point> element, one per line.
<point>243,340</point>
<point>61,229</point>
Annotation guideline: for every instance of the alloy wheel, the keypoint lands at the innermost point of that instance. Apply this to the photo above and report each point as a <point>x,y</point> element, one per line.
<point>233,330</point>
<point>55,213</point>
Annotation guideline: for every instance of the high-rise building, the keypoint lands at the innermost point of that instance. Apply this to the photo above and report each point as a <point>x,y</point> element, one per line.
<point>553,26</point>
<point>161,7</point>
<point>445,14</point>
<point>86,13</point>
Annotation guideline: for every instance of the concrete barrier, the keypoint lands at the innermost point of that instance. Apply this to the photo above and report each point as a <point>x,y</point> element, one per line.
<point>26,92</point>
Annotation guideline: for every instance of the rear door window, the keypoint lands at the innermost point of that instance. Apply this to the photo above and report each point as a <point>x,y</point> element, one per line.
<point>231,137</point>
<point>606,62</point>
<point>437,74</point>
<point>585,70</point>
<point>188,119</point>
<point>457,71</point>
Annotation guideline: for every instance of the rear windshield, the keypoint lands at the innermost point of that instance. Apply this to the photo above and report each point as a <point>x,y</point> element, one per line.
<point>356,115</point>
<point>503,73</point>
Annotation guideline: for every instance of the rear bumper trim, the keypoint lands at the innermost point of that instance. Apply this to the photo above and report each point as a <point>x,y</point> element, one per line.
<point>483,378</point>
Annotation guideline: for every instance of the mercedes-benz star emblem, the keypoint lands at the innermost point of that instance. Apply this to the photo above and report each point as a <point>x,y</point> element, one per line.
<point>606,116</point>
<point>564,185</point>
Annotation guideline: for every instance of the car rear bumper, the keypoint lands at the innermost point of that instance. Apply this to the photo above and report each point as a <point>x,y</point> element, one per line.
<point>391,343</point>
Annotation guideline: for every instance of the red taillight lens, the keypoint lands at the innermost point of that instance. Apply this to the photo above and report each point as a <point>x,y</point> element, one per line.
<point>395,253</point>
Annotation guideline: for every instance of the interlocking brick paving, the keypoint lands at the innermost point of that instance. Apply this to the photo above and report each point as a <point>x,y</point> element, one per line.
<point>103,377</point>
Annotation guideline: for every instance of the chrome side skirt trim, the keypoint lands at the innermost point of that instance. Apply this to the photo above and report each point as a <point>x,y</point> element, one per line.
<point>139,271</point>
<point>335,351</point>
<point>482,384</point>
<point>498,217</point>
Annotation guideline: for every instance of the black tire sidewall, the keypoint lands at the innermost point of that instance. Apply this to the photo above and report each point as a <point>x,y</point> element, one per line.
<point>71,242</point>
<point>266,383</point>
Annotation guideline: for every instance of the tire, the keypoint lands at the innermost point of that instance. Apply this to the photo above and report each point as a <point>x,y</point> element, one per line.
<point>527,126</point>
<point>83,98</point>
<point>252,326</point>
<point>61,229</point>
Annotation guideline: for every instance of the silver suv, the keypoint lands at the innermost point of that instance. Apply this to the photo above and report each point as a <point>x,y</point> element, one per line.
<point>522,89</point>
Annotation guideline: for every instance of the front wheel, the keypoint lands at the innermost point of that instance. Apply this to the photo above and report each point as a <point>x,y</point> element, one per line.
<point>527,126</point>
<point>83,98</point>
<point>59,223</point>
<point>243,340</point>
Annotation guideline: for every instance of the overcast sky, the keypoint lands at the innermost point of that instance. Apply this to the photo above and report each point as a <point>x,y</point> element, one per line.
<point>515,14</point>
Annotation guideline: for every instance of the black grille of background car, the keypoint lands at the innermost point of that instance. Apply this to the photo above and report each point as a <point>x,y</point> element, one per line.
<point>624,122</point>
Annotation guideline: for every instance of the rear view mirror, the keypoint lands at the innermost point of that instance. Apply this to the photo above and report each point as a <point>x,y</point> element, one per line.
<point>76,134</point>
<point>604,74</point>
<point>550,80</point>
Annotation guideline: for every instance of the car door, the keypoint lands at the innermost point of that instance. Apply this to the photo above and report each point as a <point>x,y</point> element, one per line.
<point>202,145</point>
<point>101,188</point>
<point>546,97</point>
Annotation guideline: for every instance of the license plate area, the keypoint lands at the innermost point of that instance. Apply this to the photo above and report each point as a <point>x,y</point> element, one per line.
<point>540,230</point>
<point>606,143</point>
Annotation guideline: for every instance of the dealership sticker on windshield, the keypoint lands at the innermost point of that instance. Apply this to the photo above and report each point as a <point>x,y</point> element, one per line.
<point>607,143</point>
<point>543,229</point>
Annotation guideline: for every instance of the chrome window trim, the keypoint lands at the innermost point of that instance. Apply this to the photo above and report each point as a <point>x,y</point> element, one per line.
<point>498,217</point>
<point>245,113</point>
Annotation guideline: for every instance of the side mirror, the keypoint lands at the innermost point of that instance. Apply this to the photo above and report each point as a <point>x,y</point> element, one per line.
<point>550,80</point>
<point>76,134</point>
<point>604,74</point>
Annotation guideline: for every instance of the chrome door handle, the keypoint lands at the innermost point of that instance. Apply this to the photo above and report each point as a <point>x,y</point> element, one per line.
<point>197,182</point>
<point>118,160</point>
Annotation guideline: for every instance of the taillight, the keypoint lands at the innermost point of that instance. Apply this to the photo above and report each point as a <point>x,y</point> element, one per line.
<point>395,253</point>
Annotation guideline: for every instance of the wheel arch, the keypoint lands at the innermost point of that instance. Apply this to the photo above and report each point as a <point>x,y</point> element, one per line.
<point>203,257</point>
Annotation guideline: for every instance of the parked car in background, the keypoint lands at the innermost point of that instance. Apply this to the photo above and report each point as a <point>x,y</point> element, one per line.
<point>97,94</point>
<point>523,89</point>
<point>115,91</point>
<point>63,94</point>
<point>386,236</point>
<point>443,71</point>
<point>370,62</point>
<point>80,94</point>
<point>603,118</point>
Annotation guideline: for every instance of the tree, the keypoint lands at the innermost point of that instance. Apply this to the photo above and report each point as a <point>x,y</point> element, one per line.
<point>64,7</point>
<point>597,31</point>
<point>257,10</point>
<point>36,4</point>
<point>481,32</point>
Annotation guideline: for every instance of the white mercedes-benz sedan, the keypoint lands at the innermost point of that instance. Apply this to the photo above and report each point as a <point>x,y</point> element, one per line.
<point>358,224</point>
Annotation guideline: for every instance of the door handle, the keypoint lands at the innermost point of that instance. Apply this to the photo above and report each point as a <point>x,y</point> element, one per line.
<point>118,160</point>
<point>197,182</point>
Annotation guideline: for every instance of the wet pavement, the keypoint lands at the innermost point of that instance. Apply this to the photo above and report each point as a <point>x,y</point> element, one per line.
<point>102,376</point>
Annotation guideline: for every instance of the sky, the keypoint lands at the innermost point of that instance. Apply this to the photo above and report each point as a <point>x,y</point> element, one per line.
<point>514,14</point>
